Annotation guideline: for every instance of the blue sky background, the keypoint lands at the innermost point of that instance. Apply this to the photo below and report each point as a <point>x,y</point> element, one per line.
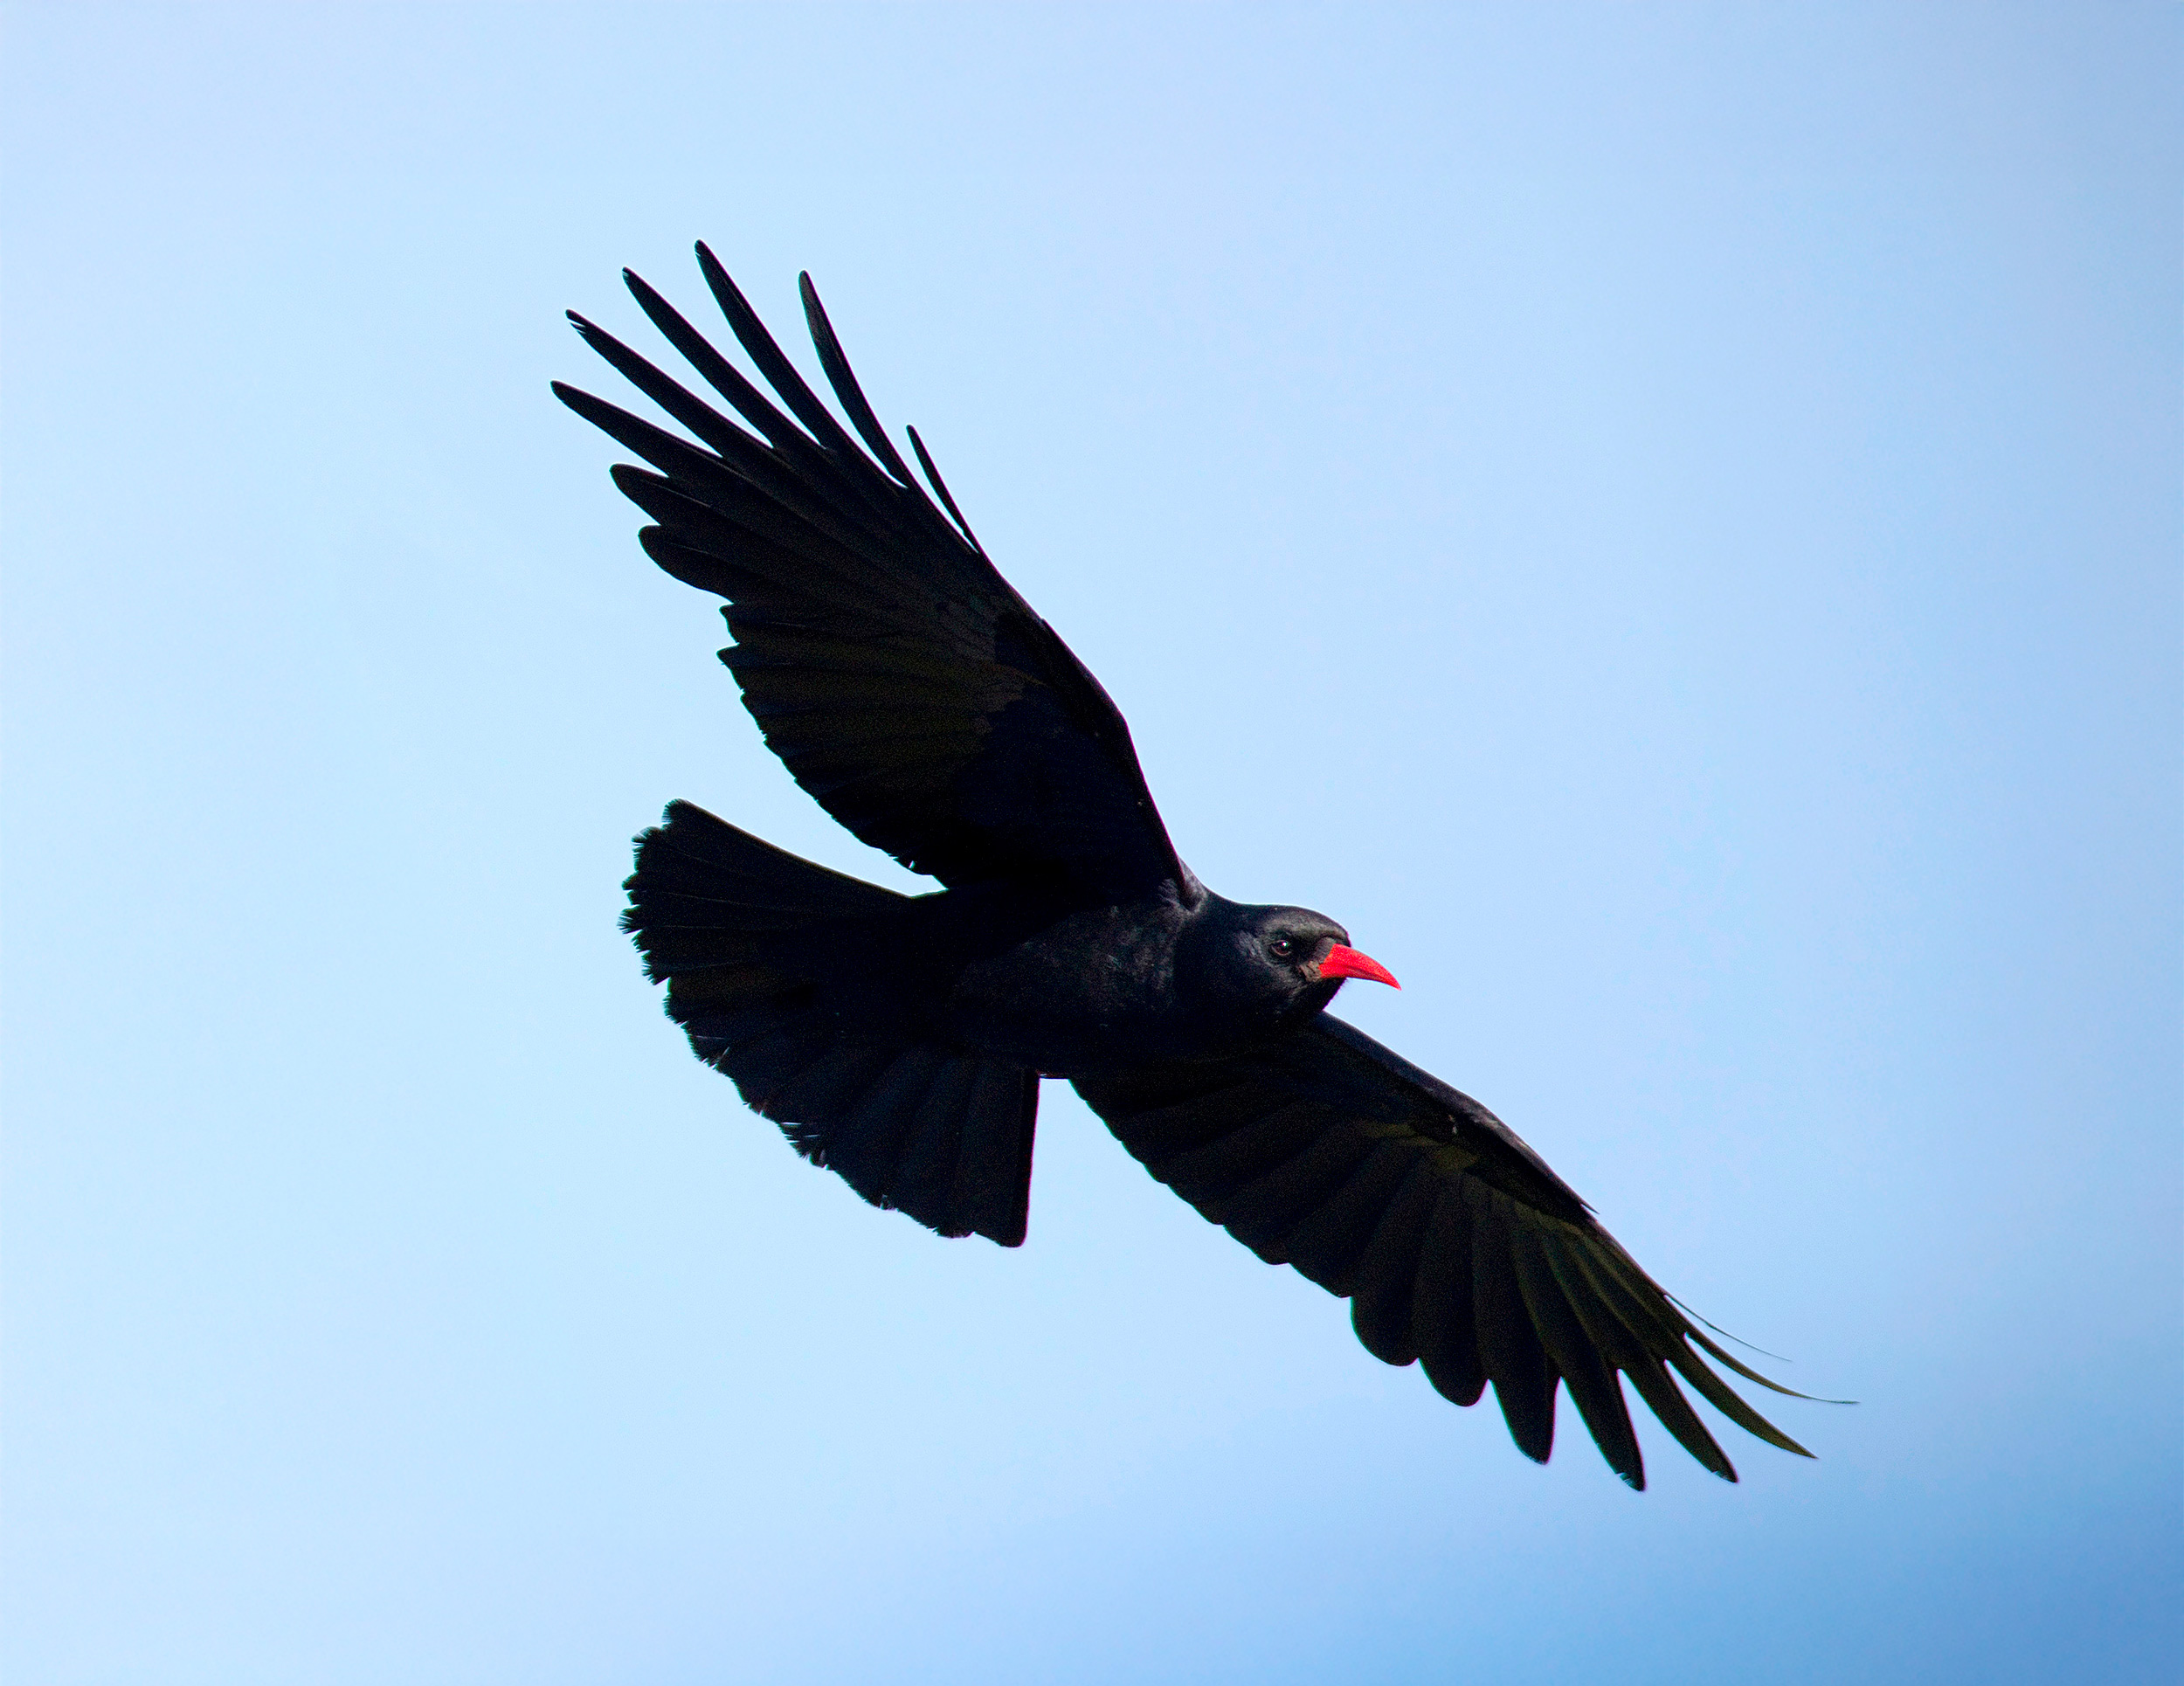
<point>1662,519</point>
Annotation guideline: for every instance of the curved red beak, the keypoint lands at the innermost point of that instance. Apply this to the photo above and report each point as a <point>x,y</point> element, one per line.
<point>1345,962</point>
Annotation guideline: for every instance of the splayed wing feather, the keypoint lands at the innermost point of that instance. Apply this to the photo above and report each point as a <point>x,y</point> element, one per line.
<point>856,605</point>
<point>1455,1242</point>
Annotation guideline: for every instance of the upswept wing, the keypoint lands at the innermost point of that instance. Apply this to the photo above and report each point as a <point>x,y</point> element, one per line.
<point>1454,1242</point>
<point>902,679</point>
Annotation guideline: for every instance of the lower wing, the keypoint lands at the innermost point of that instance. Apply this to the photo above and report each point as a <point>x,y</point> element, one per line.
<point>1454,1242</point>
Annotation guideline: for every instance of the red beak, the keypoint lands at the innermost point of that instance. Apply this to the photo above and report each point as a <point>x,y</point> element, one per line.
<point>1344,962</point>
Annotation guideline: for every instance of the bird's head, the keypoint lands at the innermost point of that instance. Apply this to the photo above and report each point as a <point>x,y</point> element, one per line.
<point>1271,965</point>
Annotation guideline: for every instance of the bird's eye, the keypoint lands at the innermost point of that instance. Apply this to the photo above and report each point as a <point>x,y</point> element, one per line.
<point>1282,948</point>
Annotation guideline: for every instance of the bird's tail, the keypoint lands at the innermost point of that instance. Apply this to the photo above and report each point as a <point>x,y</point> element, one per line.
<point>743,933</point>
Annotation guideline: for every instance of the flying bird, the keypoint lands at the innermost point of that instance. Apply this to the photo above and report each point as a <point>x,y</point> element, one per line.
<point>900,1040</point>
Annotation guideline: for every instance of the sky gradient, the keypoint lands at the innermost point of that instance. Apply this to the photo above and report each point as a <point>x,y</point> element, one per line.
<point>1661,519</point>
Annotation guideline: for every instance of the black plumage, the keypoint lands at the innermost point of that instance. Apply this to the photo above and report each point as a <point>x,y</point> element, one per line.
<point>900,1040</point>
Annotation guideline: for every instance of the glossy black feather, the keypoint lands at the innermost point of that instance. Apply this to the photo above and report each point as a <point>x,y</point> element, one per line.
<point>1516,1361</point>
<point>1442,1304</point>
<point>1592,1384</point>
<point>1384,1303</point>
<point>940,490</point>
<point>850,394</point>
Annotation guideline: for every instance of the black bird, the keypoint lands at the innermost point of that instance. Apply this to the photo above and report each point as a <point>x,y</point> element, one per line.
<point>900,1040</point>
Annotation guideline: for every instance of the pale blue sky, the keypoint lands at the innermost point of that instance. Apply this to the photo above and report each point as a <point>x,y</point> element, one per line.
<point>1662,519</point>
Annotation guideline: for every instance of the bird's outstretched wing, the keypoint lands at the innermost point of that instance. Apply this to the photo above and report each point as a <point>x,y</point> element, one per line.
<point>903,680</point>
<point>1454,1242</point>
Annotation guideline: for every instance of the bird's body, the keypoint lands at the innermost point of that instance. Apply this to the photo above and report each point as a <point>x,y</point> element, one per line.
<point>901,1040</point>
<point>1082,988</point>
